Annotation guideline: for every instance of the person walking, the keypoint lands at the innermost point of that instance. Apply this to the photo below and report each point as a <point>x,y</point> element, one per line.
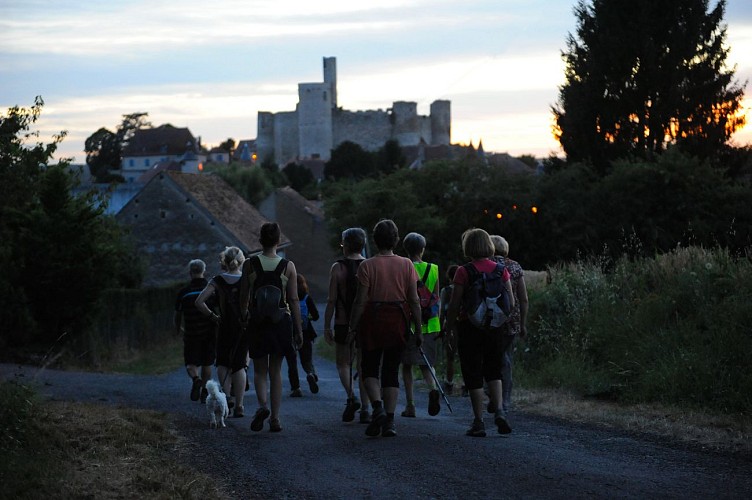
<point>308,314</point>
<point>343,286</point>
<point>269,301</point>
<point>415,245</point>
<point>516,327</point>
<point>480,350</point>
<point>445,296</point>
<point>386,301</point>
<point>232,342</point>
<point>199,332</point>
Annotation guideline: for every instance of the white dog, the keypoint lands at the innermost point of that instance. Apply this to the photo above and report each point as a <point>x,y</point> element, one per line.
<point>216,405</point>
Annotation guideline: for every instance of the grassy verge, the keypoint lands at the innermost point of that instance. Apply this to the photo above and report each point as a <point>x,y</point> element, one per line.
<point>64,450</point>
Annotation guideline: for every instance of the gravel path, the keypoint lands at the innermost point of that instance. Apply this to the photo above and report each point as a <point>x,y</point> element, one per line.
<point>318,456</point>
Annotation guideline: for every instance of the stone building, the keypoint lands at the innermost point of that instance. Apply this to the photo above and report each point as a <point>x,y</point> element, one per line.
<point>319,125</point>
<point>303,221</point>
<point>177,217</point>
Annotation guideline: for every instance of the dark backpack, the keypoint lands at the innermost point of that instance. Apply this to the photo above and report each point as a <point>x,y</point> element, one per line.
<point>486,300</point>
<point>267,298</point>
<point>351,284</point>
<point>428,300</point>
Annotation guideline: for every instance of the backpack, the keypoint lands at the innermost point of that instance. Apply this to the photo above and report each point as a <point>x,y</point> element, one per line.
<point>351,282</point>
<point>267,298</point>
<point>486,300</point>
<point>428,300</point>
<point>304,312</point>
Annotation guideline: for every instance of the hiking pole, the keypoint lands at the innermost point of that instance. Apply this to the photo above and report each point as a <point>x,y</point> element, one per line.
<point>435,379</point>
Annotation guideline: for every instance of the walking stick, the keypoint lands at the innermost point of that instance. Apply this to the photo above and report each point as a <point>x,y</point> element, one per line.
<point>435,379</point>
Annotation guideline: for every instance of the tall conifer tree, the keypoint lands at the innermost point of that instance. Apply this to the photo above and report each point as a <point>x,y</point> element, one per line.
<point>644,74</point>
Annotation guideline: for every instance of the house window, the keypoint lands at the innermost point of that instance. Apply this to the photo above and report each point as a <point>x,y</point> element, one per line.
<point>220,158</point>
<point>146,162</point>
<point>163,214</point>
<point>131,162</point>
<point>324,94</point>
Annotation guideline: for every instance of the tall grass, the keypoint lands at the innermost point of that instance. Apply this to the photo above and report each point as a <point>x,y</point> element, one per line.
<point>674,329</point>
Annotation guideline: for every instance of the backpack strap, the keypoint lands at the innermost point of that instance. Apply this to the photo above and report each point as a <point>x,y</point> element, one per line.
<point>424,279</point>
<point>280,267</point>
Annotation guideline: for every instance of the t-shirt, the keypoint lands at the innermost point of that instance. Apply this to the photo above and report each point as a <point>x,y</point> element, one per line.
<point>195,322</point>
<point>387,277</point>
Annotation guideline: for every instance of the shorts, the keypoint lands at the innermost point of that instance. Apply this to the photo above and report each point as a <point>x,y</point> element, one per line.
<point>270,339</point>
<point>411,355</point>
<point>340,334</point>
<point>200,350</point>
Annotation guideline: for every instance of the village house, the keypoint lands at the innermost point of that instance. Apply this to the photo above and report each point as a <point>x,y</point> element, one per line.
<point>151,146</point>
<point>177,217</point>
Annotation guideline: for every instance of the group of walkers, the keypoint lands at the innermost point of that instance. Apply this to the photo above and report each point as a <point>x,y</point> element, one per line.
<point>381,312</point>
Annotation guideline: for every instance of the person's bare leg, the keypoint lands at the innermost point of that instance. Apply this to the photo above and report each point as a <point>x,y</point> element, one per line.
<point>365,400</point>
<point>275,382</point>
<point>343,367</point>
<point>260,371</point>
<point>390,398</point>
<point>494,392</point>
<point>238,387</point>
<point>206,373</point>
<point>224,378</point>
<point>476,398</point>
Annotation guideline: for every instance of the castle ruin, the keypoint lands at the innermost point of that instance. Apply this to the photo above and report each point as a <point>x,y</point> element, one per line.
<point>318,125</point>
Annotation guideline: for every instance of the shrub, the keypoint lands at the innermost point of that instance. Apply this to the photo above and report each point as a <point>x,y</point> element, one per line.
<point>671,329</point>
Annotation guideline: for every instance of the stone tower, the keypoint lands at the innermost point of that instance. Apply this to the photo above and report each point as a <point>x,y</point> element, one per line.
<point>441,120</point>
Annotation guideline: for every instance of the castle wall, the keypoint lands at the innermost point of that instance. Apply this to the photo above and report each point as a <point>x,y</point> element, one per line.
<point>265,136</point>
<point>369,129</point>
<point>286,137</point>
<point>318,125</point>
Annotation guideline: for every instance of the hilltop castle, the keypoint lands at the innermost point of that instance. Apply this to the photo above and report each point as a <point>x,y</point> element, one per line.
<point>318,125</point>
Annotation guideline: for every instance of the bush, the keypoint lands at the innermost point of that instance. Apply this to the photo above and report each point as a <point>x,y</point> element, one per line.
<point>672,329</point>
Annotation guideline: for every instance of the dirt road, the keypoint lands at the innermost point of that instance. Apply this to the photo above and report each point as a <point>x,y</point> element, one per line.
<point>318,456</point>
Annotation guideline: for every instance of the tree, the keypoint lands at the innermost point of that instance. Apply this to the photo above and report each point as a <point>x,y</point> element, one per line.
<point>102,153</point>
<point>59,250</point>
<point>298,175</point>
<point>390,157</point>
<point>228,145</point>
<point>104,149</point>
<point>349,161</point>
<point>642,75</point>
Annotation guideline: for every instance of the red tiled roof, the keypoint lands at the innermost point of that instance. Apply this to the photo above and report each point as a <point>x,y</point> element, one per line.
<point>226,206</point>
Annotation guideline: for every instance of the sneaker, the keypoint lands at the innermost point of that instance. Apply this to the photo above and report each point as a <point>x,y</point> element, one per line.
<point>296,393</point>
<point>502,424</point>
<point>198,384</point>
<point>388,429</point>
<point>478,429</point>
<point>365,417</point>
<point>433,403</point>
<point>409,411</point>
<point>274,425</point>
<point>312,382</point>
<point>237,412</point>
<point>204,395</point>
<point>350,408</point>
<point>258,419</point>
<point>377,421</point>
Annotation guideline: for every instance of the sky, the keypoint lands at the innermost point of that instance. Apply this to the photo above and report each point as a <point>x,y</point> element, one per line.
<point>211,66</point>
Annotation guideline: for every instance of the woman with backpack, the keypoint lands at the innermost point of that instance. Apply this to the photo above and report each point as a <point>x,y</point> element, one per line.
<point>269,301</point>
<point>428,292</point>
<point>232,342</point>
<point>480,345</point>
<point>343,286</point>
<point>387,298</point>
